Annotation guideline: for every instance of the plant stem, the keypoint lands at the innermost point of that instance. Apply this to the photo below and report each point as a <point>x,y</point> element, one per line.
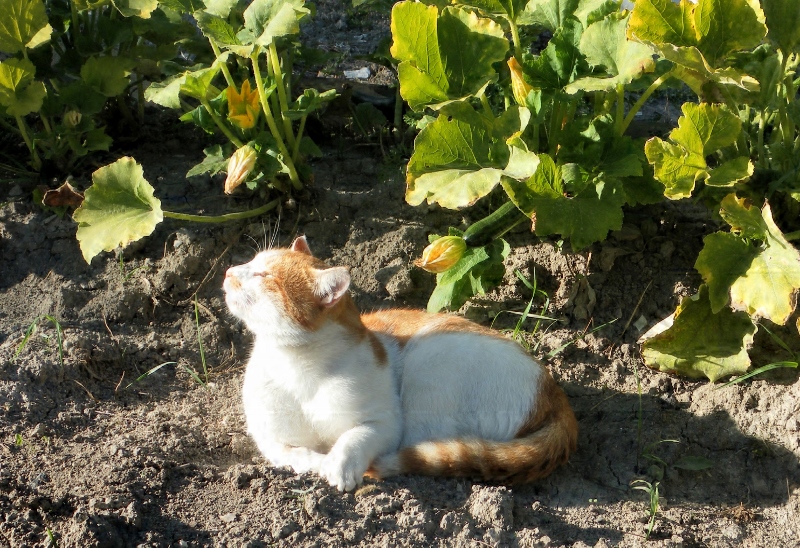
<point>223,218</point>
<point>620,116</point>
<point>276,70</point>
<point>486,106</point>
<point>792,235</point>
<point>36,162</point>
<point>641,101</point>
<point>221,125</point>
<point>296,150</point>
<point>731,103</point>
<point>46,124</point>
<point>140,98</point>
<point>273,127</point>
<point>515,39</point>
<point>223,65</point>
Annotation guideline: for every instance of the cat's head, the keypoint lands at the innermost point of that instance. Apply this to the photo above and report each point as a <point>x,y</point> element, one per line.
<point>285,292</point>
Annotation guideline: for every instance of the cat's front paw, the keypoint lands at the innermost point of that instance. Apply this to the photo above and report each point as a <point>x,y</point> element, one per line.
<point>342,471</point>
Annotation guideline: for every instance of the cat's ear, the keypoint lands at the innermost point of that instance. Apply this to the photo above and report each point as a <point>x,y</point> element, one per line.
<point>301,244</point>
<point>332,285</point>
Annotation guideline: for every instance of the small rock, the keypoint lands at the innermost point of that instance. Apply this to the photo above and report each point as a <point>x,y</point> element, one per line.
<point>230,517</point>
<point>360,74</point>
<point>492,506</point>
<point>39,430</point>
<point>449,523</point>
<point>791,424</point>
<point>15,191</point>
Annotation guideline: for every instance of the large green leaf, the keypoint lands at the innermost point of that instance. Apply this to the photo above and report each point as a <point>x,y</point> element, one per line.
<point>23,23</point>
<point>783,22</point>
<point>605,44</point>
<point>216,28</point>
<point>725,258</point>
<point>107,75</point>
<point>461,156</point>
<point>701,343</point>
<point>767,289</point>
<point>117,209</point>
<point>266,20</point>
<point>136,8</point>
<point>702,130</point>
<point>508,8</point>
<point>716,28</point>
<point>166,93</point>
<point>584,217</point>
<point>443,57</point>
<point>549,13</point>
<point>19,92</point>
<point>560,62</point>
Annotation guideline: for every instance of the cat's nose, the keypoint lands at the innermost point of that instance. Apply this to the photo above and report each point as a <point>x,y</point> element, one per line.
<point>229,273</point>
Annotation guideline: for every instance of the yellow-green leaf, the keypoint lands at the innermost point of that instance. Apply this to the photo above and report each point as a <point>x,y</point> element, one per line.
<point>23,23</point>
<point>701,343</point>
<point>117,209</point>
<point>19,93</point>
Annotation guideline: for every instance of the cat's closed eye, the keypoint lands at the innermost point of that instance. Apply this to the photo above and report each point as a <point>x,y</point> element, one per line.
<point>263,274</point>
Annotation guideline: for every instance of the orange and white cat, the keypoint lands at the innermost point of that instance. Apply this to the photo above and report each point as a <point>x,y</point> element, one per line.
<point>396,391</point>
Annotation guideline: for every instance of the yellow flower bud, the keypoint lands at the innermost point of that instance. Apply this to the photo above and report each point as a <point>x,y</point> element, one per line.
<point>240,166</point>
<point>72,118</point>
<point>442,254</point>
<point>519,87</point>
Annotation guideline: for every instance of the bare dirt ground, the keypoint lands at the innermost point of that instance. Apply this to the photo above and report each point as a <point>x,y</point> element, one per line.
<point>89,456</point>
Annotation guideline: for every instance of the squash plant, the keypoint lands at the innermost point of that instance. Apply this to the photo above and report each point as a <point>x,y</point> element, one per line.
<point>738,151</point>
<point>244,93</point>
<point>547,129</point>
<point>67,59</point>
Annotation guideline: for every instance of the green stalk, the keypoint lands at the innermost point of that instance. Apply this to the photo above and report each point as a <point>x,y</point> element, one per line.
<point>620,116</point>
<point>46,124</point>
<point>486,106</point>
<point>276,69</point>
<point>223,65</point>
<point>273,97</point>
<point>273,127</point>
<point>221,125</point>
<point>641,101</point>
<point>36,162</point>
<point>515,39</point>
<point>223,218</point>
<point>762,152</point>
<point>296,150</point>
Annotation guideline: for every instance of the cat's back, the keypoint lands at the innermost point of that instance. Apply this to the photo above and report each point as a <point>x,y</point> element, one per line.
<point>484,383</point>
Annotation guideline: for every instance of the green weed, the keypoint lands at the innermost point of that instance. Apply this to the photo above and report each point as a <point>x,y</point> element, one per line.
<point>652,490</point>
<point>32,329</point>
<point>516,334</point>
<point>556,351</point>
<point>787,364</point>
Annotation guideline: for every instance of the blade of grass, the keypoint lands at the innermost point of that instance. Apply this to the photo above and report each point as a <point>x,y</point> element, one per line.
<point>148,373</point>
<point>31,329</point>
<point>762,369</point>
<point>555,352</point>
<point>200,339</point>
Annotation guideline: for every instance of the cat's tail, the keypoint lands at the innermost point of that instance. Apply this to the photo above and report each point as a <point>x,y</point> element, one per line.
<point>542,444</point>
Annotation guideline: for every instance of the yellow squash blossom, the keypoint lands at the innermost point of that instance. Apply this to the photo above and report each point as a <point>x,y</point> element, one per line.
<point>240,166</point>
<point>519,87</point>
<point>442,254</point>
<point>243,108</point>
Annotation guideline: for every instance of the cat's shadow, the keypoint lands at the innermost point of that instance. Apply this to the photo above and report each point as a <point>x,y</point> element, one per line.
<point>615,448</point>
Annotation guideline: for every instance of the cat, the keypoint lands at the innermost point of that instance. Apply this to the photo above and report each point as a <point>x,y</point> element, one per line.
<point>346,395</point>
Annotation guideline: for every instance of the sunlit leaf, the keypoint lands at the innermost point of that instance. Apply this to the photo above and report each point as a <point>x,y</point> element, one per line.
<point>681,162</point>
<point>445,56</point>
<point>117,209</point>
<point>584,217</point>
<point>769,286</point>
<point>266,20</point>
<point>549,13</point>
<point>136,8</point>
<point>701,343</point>
<point>23,23</point>
<point>19,92</point>
<point>606,45</point>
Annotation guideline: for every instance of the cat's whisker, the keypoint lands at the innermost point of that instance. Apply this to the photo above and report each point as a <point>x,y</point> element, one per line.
<point>274,238</point>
